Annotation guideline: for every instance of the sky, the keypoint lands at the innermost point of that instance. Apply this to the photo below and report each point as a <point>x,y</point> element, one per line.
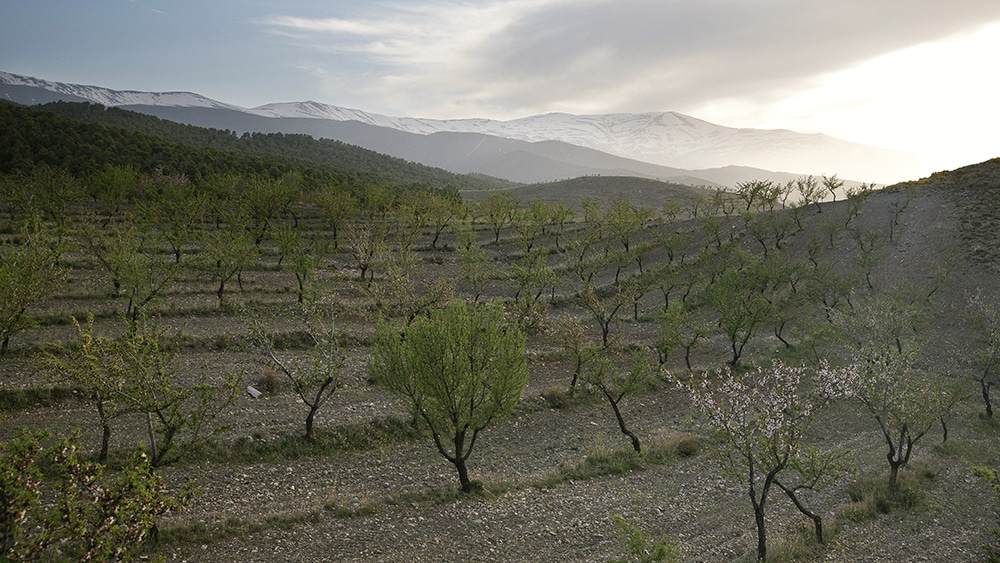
<point>914,75</point>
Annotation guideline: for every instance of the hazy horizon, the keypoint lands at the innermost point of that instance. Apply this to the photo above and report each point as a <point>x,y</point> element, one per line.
<point>917,79</point>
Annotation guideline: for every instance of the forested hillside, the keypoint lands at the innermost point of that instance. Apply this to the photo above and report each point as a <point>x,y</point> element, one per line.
<point>292,338</point>
<point>83,138</point>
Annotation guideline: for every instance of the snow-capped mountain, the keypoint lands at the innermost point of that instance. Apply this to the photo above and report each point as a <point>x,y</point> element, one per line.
<point>664,138</point>
<point>115,98</point>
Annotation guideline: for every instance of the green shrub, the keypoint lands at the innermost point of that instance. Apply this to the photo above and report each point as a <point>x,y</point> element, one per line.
<point>357,436</point>
<point>872,496</point>
<point>557,397</point>
<point>992,476</point>
<point>16,399</point>
<point>354,509</point>
<point>59,508</point>
<point>640,549</point>
<point>269,381</point>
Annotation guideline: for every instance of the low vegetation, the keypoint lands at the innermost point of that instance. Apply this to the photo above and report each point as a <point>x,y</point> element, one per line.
<point>224,313</point>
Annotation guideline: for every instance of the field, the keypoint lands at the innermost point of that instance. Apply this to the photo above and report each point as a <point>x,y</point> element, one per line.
<point>372,486</point>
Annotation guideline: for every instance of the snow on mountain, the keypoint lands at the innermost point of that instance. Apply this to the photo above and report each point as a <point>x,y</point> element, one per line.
<point>663,138</point>
<point>113,98</point>
<point>666,138</point>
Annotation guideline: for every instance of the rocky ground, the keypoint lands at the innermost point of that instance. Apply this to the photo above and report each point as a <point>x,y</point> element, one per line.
<point>397,502</point>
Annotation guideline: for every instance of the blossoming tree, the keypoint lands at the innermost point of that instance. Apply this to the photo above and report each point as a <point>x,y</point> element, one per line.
<point>763,413</point>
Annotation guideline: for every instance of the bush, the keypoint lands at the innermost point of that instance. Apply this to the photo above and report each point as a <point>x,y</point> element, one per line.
<point>639,548</point>
<point>557,397</point>
<point>56,507</point>
<point>667,442</point>
<point>872,496</point>
<point>269,381</point>
<point>992,476</point>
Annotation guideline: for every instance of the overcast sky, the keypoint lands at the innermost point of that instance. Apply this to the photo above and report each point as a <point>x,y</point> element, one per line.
<point>919,75</point>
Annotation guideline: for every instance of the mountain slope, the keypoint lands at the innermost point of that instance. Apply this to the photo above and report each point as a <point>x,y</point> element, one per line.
<point>666,139</point>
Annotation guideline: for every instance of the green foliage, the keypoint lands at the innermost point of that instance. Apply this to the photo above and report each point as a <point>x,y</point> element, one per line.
<point>128,252</point>
<point>29,272</point>
<point>662,449</point>
<point>498,210</point>
<point>570,335</point>
<point>332,162</point>
<point>316,377</point>
<point>557,397</point>
<point>871,497</point>
<point>882,336</point>
<point>134,374</point>
<point>616,383</point>
<point>991,476</point>
<point>744,298</point>
<point>227,249</point>
<point>28,397</point>
<point>459,368</point>
<point>341,438</point>
<point>55,506</point>
<point>639,548</point>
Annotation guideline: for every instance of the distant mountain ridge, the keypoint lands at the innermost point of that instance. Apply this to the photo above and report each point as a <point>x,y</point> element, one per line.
<point>664,138</point>
<point>681,143</point>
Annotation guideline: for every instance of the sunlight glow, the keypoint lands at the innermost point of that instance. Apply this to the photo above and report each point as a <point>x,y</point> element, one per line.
<point>919,99</point>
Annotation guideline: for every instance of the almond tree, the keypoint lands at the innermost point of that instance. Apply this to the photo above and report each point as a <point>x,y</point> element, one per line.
<point>605,311</point>
<point>498,210</point>
<point>531,276</point>
<point>227,250</point>
<point>55,507</point>
<point>44,195</point>
<point>136,374</point>
<point>441,213</point>
<point>398,293</point>
<point>367,241</point>
<point>338,207</point>
<point>744,298</point>
<point>832,184</point>
<point>29,272</point>
<point>316,377</point>
<point>623,222</point>
<point>570,334</point>
<point>128,252</point>
<point>616,383</point>
<point>458,368</point>
<point>985,318</point>
<point>763,414</point>
<point>882,339</point>
<point>305,253</point>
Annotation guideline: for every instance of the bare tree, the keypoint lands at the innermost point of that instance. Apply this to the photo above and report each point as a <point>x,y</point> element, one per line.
<point>315,377</point>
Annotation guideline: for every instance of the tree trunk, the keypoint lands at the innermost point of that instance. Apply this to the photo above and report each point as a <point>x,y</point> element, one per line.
<point>105,427</point>
<point>621,422</point>
<point>463,474</point>
<point>152,438</point>
<point>758,514</point>
<point>816,518</point>
<point>310,433</point>
<point>984,383</point>
<point>893,474</point>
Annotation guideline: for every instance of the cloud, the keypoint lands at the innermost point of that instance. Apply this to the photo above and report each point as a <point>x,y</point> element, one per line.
<point>505,58</point>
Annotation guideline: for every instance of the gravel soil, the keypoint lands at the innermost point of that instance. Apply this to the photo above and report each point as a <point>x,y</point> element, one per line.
<point>398,502</point>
